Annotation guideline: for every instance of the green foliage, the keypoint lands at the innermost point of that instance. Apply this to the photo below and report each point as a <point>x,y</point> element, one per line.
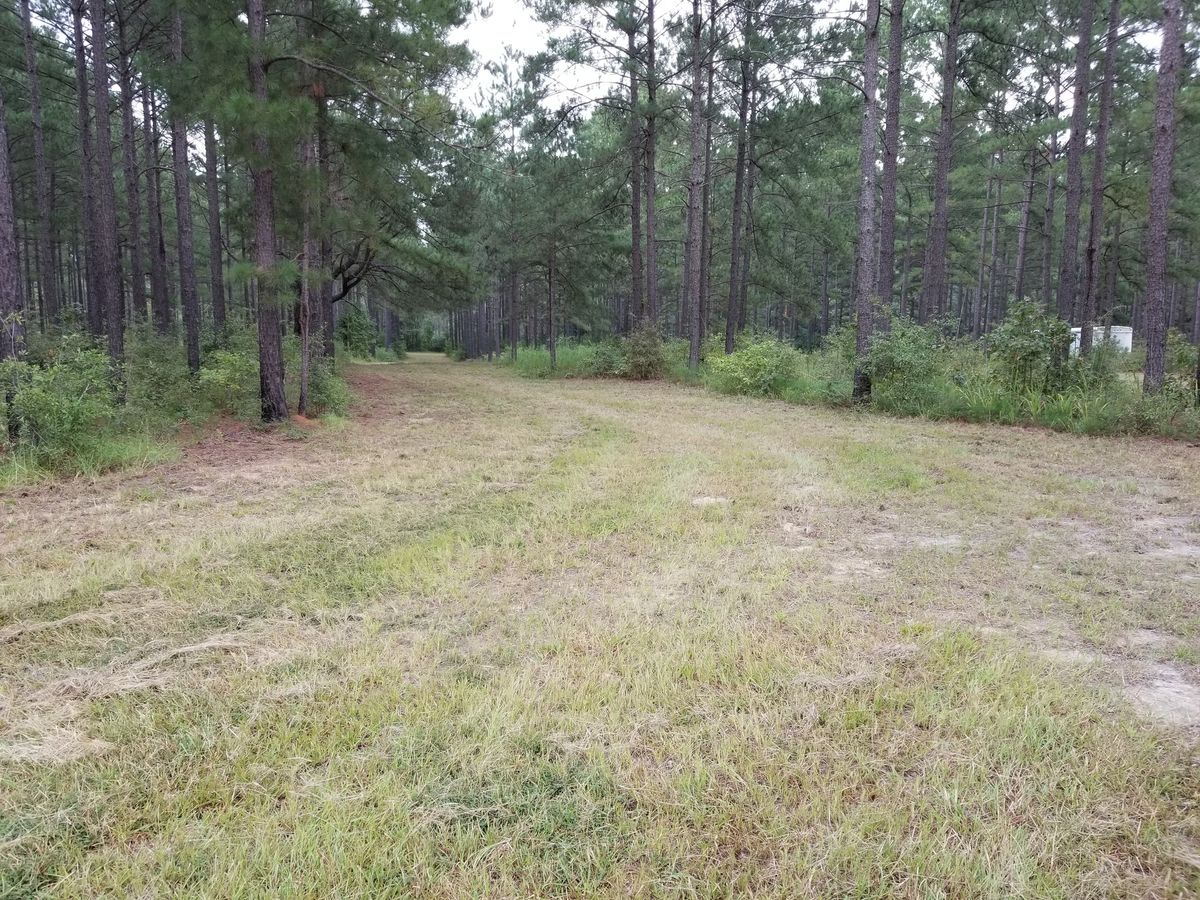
<point>760,369</point>
<point>228,383</point>
<point>357,332</point>
<point>643,355</point>
<point>60,404</point>
<point>1181,354</point>
<point>326,391</point>
<point>905,356</point>
<point>1030,347</point>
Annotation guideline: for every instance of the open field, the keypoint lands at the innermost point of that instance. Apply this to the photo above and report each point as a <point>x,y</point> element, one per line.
<point>512,638</point>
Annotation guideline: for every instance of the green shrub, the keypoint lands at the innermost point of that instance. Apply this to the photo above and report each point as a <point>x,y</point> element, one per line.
<point>60,406</point>
<point>159,390</point>
<point>327,392</point>
<point>228,383</point>
<point>1030,348</point>
<point>608,360</point>
<point>1181,354</point>
<point>905,357</point>
<point>357,332</point>
<point>761,369</point>
<point>644,357</point>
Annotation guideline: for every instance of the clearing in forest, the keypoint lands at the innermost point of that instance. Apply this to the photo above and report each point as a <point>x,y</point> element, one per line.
<point>514,638</point>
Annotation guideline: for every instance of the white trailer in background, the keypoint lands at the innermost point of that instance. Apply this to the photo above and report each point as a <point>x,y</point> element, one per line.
<point>1120,336</point>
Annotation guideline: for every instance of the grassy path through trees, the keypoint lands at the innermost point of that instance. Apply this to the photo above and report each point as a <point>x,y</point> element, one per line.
<point>505,637</point>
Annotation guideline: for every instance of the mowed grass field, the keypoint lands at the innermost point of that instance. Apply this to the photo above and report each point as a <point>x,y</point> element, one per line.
<point>510,638</point>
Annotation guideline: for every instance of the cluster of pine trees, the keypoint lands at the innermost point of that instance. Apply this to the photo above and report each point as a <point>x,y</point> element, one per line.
<point>782,166</point>
<point>199,166</point>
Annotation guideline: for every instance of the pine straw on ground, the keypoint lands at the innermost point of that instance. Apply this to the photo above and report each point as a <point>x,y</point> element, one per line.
<point>504,638</point>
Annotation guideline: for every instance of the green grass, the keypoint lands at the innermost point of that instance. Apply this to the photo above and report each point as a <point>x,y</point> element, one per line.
<point>490,645</point>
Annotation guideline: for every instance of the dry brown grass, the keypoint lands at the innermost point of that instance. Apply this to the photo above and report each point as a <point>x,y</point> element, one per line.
<point>511,638</point>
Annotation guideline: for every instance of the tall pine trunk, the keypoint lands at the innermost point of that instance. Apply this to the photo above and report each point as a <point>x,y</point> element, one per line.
<point>891,148</point>
<point>47,280</point>
<point>866,276</point>
<point>87,178</point>
<point>133,200</point>
<point>262,179</point>
<point>160,302</point>
<point>1068,266</point>
<point>651,176</point>
<point>695,188</point>
<point>637,296</point>
<point>739,187</point>
<point>1093,255</point>
<point>189,301</point>
<point>216,271</point>
<point>933,289</point>
<point>1161,164</point>
<point>108,264</point>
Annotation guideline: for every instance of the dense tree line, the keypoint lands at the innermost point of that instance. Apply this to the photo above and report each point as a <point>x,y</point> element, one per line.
<point>194,167</point>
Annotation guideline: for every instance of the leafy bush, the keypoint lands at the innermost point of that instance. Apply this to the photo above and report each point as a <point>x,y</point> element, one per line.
<point>1030,348</point>
<point>357,332</point>
<point>159,390</point>
<point>60,405</point>
<point>327,392</point>
<point>644,357</point>
<point>905,357</point>
<point>1181,354</point>
<point>761,369</point>
<point>228,383</point>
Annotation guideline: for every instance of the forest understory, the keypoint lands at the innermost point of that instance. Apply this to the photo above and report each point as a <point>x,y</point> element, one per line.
<point>506,637</point>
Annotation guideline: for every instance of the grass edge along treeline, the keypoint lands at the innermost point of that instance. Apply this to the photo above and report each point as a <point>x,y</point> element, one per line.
<point>1023,374</point>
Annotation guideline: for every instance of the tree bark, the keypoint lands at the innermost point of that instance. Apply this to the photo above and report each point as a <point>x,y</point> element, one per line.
<point>108,268</point>
<point>160,302</point>
<point>1068,273</point>
<point>637,296</point>
<point>93,310</point>
<point>739,187</point>
<point>1023,226</point>
<point>216,271</point>
<point>751,178</point>
<point>651,178</point>
<point>695,190</point>
<point>189,301</point>
<point>262,179</point>
<point>885,286</point>
<point>1161,164</point>
<point>1093,255</point>
<point>133,200</point>
<point>47,280</point>
<point>933,290</point>
<point>866,276</point>
<point>1048,213</point>
<point>12,299</point>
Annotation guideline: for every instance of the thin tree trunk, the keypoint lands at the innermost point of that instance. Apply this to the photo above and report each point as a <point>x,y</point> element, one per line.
<point>188,298</point>
<point>108,269</point>
<point>933,290</point>
<point>751,178</point>
<point>977,318</point>
<point>133,200</point>
<point>160,302</point>
<point>739,187</point>
<point>216,271</point>
<point>1068,268</point>
<point>1093,254</point>
<point>1023,227</point>
<point>262,178</point>
<point>1161,164</point>
<point>866,275</point>
<point>325,294</point>
<point>1048,213</point>
<point>885,287</point>
<point>695,190</point>
<point>87,178</point>
<point>47,282</point>
<point>706,200</point>
<point>12,300</point>
<point>651,179</point>
<point>637,296</point>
